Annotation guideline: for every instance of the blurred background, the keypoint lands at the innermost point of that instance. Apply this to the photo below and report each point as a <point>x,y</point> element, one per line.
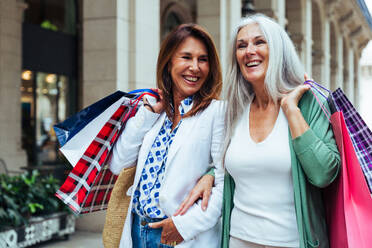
<point>58,56</point>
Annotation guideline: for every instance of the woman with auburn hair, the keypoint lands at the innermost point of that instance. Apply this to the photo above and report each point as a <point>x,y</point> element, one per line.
<point>279,147</point>
<point>173,143</point>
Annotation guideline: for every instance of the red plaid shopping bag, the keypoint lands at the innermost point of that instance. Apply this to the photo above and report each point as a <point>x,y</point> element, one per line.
<point>88,186</point>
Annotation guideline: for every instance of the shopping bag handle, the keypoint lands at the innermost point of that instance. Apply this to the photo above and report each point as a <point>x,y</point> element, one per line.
<point>314,86</point>
<point>140,93</point>
<point>143,92</point>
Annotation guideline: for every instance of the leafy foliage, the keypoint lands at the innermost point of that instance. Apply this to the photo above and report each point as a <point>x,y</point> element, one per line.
<point>26,195</point>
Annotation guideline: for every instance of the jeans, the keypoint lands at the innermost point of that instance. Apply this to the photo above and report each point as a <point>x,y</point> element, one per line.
<point>145,237</point>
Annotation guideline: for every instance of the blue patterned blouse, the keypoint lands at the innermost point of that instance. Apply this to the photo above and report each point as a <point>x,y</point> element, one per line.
<point>146,195</point>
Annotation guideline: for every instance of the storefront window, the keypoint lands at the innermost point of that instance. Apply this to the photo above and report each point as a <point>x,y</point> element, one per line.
<point>44,104</point>
<point>54,15</point>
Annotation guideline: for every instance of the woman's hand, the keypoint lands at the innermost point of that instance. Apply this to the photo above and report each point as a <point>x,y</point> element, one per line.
<point>290,101</point>
<point>289,104</point>
<point>202,189</point>
<point>158,107</point>
<point>169,235</point>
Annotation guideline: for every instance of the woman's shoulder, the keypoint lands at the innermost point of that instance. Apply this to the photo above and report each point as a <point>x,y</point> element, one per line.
<point>312,100</point>
<point>216,106</point>
<point>312,106</point>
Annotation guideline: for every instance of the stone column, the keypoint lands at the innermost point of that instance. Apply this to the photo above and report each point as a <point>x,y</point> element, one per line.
<point>326,76</point>
<point>144,43</point>
<point>357,75</point>
<point>334,74</point>
<point>11,12</point>
<point>308,38</point>
<point>295,13</point>
<point>318,65</point>
<point>340,63</point>
<point>318,37</point>
<point>272,8</point>
<point>230,17</point>
<point>280,12</point>
<point>209,16</point>
<point>121,44</point>
<point>219,19</point>
<point>346,77</point>
<point>350,81</point>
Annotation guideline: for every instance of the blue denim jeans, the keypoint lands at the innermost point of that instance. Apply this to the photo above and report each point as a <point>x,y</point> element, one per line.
<point>145,237</point>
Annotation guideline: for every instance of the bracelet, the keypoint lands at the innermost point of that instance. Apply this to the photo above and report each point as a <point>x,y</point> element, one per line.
<point>148,105</point>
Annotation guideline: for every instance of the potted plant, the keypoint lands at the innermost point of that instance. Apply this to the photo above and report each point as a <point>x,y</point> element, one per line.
<point>29,211</point>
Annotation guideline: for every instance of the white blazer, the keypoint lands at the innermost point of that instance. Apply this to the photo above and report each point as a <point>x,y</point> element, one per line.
<point>197,144</point>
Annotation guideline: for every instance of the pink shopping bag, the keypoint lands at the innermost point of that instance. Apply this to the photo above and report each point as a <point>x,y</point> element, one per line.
<point>348,201</point>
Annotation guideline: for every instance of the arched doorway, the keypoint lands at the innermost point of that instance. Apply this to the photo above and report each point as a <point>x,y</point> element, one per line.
<point>174,13</point>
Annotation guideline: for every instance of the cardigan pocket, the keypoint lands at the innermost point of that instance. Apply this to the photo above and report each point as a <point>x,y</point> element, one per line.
<point>315,244</point>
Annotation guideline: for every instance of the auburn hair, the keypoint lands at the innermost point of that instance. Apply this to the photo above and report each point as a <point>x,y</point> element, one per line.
<point>212,86</point>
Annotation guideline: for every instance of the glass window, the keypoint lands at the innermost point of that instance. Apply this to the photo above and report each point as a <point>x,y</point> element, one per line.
<point>44,103</point>
<point>55,15</point>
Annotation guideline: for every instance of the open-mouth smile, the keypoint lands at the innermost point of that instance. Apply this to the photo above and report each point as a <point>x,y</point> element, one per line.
<point>253,63</point>
<point>191,79</point>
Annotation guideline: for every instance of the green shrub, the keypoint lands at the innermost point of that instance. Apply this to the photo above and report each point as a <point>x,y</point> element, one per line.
<point>26,195</point>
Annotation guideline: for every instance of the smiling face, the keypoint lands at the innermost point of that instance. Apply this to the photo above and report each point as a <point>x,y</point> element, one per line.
<point>189,68</point>
<point>252,53</point>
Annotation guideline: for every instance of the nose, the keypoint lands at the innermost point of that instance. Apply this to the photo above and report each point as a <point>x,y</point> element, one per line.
<point>251,49</point>
<point>194,66</point>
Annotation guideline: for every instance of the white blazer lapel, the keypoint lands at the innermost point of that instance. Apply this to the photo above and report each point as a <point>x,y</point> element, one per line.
<point>146,145</point>
<point>186,127</point>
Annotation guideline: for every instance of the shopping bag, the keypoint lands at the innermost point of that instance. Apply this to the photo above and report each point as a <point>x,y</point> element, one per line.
<point>117,208</point>
<point>71,126</point>
<point>347,200</point>
<point>360,134</point>
<point>89,184</point>
<point>348,205</point>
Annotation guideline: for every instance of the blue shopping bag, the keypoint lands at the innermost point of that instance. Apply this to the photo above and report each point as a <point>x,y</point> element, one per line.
<point>76,133</point>
<point>71,126</point>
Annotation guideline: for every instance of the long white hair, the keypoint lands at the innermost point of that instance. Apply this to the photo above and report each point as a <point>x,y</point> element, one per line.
<point>284,72</point>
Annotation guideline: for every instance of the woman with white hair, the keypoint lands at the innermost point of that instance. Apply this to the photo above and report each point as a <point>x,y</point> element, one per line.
<point>279,148</point>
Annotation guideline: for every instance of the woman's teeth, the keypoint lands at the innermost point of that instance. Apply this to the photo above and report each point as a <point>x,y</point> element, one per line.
<point>253,63</point>
<point>192,79</point>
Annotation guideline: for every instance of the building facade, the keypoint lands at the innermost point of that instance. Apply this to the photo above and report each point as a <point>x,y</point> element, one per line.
<point>114,45</point>
<point>366,85</point>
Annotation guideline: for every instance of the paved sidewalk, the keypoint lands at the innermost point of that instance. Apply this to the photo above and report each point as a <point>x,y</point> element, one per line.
<point>79,239</point>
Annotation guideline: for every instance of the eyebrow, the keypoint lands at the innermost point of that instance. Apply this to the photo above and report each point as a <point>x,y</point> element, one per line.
<point>257,37</point>
<point>189,54</point>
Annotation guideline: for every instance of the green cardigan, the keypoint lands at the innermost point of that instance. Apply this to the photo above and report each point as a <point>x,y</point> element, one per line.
<point>315,164</point>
